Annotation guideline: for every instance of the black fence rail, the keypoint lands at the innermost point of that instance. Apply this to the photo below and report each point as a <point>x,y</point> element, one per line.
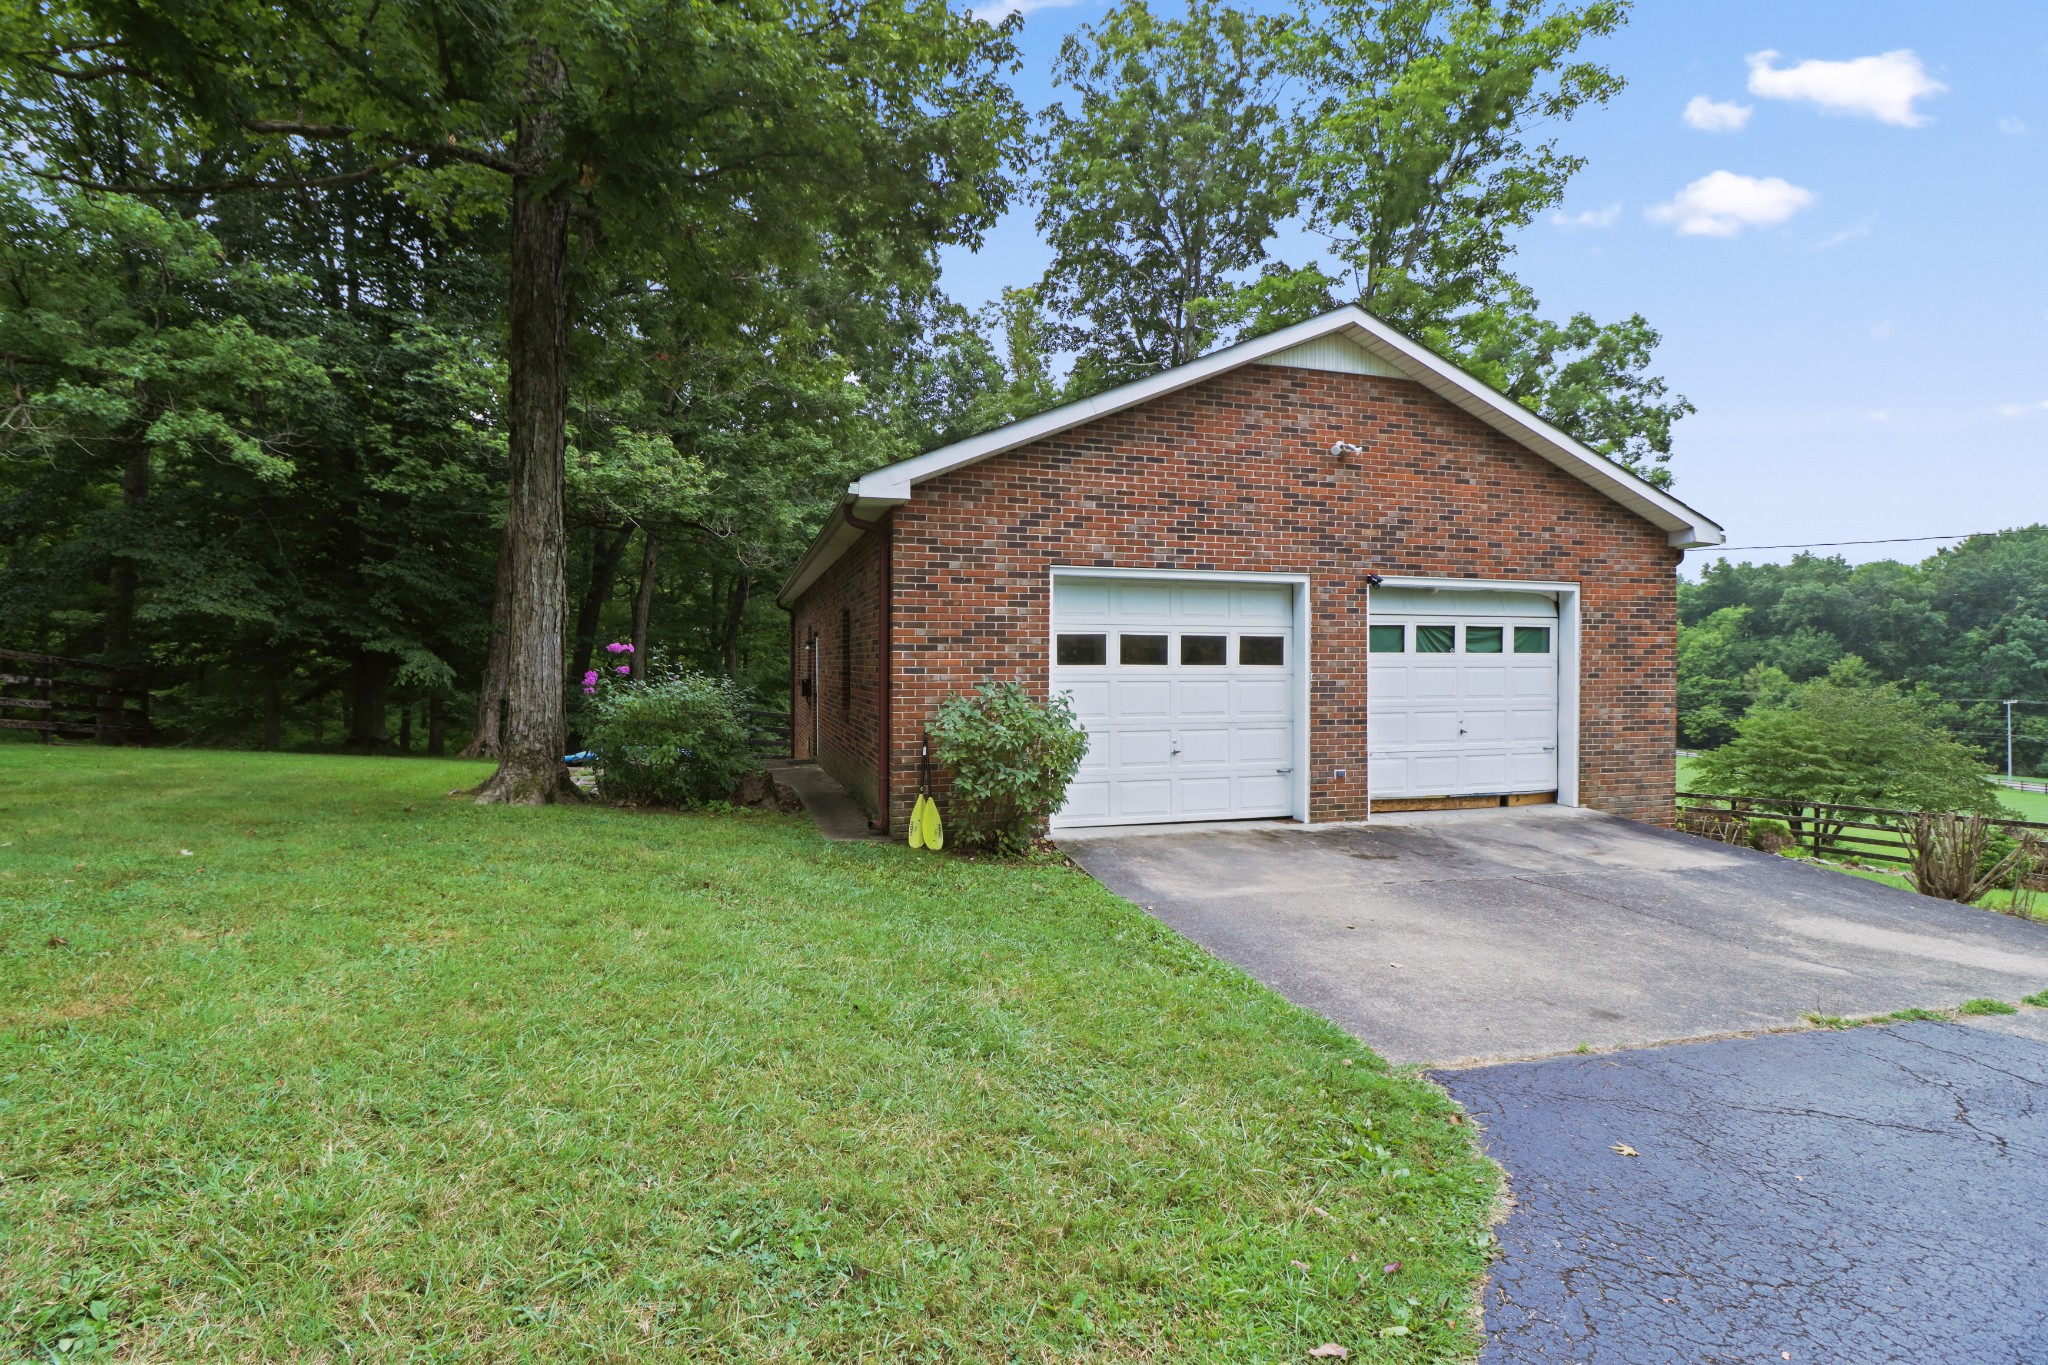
<point>768,732</point>
<point>72,699</point>
<point>1823,827</point>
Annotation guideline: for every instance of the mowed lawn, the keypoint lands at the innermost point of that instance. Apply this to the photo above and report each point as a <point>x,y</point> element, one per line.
<point>302,1059</point>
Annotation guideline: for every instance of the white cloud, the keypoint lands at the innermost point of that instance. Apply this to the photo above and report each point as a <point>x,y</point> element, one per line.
<point>1724,203</point>
<point>1880,416</point>
<point>1713,116</point>
<point>1590,218</point>
<point>2011,126</point>
<point>2021,409</point>
<point>1884,331</point>
<point>1847,234</point>
<point>1882,87</point>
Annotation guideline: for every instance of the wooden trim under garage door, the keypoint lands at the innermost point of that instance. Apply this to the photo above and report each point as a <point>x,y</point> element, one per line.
<point>1394,805</point>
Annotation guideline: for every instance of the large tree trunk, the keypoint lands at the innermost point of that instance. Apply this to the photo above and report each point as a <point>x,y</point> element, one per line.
<point>643,601</point>
<point>437,728</point>
<point>606,550</point>
<point>490,693</point>
<point>273,710</point>
<point>369,703</point>
<point>735,616</point>
<point>124,578</point>
<point>530,768</point>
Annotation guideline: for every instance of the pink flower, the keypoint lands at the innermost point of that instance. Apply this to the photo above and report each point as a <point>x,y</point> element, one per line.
<point>589,691</point>
<point>623,668</point>
<point>590,678</point>
<point>617,648</point>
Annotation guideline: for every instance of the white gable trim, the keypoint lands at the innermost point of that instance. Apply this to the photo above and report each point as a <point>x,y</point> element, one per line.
<point>1318,337</point>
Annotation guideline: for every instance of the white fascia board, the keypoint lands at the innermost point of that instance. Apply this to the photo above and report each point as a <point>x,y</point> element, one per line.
<point>1686,529</point>
<point>834,539</point>
<point>894,482</point>
<point>894,485</point>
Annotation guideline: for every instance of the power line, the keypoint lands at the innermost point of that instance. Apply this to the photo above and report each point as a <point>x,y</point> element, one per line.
<point>1831,544</point>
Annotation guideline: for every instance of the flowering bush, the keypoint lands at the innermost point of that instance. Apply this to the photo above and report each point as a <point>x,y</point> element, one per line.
<point>676,739</point>
<point>593,678</point>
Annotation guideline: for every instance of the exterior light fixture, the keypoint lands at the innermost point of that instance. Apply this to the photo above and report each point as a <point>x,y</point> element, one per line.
<point>1346,450</point>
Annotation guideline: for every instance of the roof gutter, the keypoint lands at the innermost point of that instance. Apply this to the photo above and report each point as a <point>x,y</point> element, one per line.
<point>853,518</point>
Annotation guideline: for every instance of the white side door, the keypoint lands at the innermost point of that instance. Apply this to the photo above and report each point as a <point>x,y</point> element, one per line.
<point>1187,692</point>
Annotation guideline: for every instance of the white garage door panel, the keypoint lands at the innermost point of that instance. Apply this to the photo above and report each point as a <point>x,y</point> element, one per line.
<point>1179,740</point>
<point>1475,720</point>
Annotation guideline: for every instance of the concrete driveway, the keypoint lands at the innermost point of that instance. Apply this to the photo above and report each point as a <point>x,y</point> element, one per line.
<point>1460,937</point>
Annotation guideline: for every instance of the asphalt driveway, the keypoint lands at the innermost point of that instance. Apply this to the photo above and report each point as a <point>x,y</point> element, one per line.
<point>1470,936</point>
<point>1866,1195</point>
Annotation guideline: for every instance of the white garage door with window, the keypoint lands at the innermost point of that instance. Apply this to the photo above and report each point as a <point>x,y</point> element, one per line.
<point>1462,692</point>
<point>1187,690</point>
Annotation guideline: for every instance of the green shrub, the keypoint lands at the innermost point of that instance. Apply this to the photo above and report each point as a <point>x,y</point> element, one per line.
<point>1011,758</point>
<point>1771,836</point>
<point>678,740</point>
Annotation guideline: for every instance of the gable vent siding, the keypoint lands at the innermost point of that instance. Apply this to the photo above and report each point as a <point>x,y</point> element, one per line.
<point>1332,353</point>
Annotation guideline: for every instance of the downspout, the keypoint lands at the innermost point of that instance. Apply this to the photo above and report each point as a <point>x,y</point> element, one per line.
<point>885,738</point>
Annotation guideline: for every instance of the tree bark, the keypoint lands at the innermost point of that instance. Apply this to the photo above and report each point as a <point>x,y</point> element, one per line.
<point>530,768</point>
<point>643,601</point>
<point>437,728</point>
<point>369,703</point>
<point>490,693</point>
<point>273,712</point>
<point>606,550</point>
<point>735,614</point>
<point>124,578</point>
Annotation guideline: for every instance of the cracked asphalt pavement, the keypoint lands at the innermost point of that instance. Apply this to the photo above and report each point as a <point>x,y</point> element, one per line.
<point>1841,1198</point>
<point>1856,1197</point>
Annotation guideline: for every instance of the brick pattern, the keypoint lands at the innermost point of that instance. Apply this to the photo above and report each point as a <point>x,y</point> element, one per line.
<point>1235,474</point>
<point>842,612</point>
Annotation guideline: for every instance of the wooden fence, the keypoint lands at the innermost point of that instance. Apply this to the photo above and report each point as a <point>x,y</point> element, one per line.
<point>768,732</point>
<point>1824,827</point>
<point>69,698</point>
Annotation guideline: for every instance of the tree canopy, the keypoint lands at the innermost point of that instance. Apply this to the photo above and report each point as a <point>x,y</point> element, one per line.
<point>371,366</point>
<point>1968,625</point>
<point>1848,739</point>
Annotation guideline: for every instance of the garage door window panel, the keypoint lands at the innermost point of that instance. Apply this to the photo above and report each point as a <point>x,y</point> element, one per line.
<point>1388,639</point>
<point>1436,639</point>
<point>1483,639</point>
<point>1262,651</point>
<point>1532,639</point>
<point>1138,651</point>
<point>1204,651</point>
<point>1083,651</point>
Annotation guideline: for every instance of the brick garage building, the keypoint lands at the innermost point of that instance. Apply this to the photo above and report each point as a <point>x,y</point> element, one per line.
<point>1310,575</point>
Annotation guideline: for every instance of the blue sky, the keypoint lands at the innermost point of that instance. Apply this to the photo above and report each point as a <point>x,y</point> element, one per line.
<point>1849,277</point>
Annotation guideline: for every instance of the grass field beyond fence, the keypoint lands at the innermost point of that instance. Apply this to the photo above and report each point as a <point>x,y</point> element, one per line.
<point>301,1059</point>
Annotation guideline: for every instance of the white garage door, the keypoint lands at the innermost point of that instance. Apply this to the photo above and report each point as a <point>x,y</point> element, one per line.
<point>1187,692</point>
<point>1462,693</point>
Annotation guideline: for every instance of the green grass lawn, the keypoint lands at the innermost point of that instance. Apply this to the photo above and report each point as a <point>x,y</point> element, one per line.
<point>301,1059</point>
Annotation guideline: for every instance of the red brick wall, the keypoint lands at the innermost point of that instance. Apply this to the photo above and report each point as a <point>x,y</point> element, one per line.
<point>1235,475</point>
<point>842,610</point>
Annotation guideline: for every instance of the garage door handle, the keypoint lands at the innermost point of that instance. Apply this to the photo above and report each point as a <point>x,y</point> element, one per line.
<point>1283,771</point>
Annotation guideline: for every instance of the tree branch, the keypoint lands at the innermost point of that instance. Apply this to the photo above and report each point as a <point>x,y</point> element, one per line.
<point>158,191</point>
